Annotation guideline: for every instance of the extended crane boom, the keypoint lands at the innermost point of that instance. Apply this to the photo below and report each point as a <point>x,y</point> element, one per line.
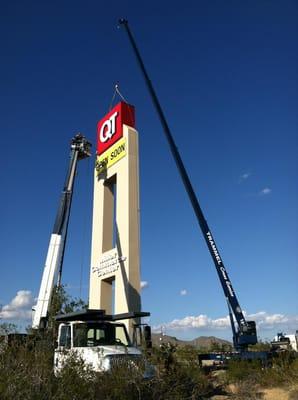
<point>80,148</point>
<point>246,333</point>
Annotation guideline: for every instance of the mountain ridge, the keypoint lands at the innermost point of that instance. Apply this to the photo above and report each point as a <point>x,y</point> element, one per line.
<point>200,341</point>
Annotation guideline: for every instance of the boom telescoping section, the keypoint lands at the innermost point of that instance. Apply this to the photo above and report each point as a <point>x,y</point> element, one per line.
<point>246,332</point>
<point>79,149</point>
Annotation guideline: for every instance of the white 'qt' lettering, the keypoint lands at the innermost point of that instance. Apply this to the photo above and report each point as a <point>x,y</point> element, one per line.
<point>108,128</point>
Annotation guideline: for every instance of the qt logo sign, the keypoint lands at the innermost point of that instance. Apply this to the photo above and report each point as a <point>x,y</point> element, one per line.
<point>110,128</point>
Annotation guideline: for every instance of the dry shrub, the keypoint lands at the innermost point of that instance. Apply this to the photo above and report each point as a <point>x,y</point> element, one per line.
<point>26,373</point>
<point>242,371</point>
<point>283,372</point>
<point>247,391</point>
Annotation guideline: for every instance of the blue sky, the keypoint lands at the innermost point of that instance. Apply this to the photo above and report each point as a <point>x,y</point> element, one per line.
<point>226,75</point>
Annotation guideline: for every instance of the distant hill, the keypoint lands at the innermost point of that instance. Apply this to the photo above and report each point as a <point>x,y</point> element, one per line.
<point>199,342</point>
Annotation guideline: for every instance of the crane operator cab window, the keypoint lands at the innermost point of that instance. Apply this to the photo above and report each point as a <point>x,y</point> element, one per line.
<point>64,337</point>
<point>99,334</point>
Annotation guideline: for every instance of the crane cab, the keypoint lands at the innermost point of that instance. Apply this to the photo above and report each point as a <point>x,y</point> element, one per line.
<point>247,335</point>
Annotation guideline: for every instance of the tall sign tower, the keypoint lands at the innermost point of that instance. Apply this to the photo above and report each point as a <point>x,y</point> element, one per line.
<point>115,253</point>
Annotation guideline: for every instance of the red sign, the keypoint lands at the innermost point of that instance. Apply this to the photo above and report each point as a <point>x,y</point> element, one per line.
<point>110,128</point>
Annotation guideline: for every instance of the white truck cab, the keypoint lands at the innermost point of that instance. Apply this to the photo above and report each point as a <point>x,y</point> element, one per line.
<point>98,339</point>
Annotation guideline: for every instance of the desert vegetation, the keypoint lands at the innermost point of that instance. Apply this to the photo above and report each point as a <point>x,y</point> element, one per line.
<point>26,372</point>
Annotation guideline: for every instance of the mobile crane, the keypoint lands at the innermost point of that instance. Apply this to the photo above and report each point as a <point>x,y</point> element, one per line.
<point>244,333</point>
<point>80,149</point>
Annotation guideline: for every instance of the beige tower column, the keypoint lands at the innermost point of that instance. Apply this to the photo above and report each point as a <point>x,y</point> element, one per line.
<point>115,253</point>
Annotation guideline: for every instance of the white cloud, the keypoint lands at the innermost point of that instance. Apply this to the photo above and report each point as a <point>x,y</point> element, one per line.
<point>244,176</point>
<point>200,321</point>
<point>144,284</point>
<point>269,321</point>
<point>265,191</point>
<point>20,307</point>
<point>203,322</point>
<point>183,292</point>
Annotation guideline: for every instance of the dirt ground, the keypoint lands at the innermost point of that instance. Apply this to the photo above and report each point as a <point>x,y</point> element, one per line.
<point>275,394</point>
<point>263,394</point>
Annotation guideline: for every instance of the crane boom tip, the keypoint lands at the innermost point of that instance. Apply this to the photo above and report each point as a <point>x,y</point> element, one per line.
<point>122,21</point>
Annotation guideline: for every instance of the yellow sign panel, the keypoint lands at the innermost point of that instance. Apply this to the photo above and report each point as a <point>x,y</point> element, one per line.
<point>111,156</point>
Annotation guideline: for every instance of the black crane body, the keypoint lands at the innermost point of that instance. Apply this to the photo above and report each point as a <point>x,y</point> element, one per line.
<point>246,332</point>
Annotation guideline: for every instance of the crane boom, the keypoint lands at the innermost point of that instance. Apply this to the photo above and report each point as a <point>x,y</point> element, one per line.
<point>246,329</point>
<point>80,148</point>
